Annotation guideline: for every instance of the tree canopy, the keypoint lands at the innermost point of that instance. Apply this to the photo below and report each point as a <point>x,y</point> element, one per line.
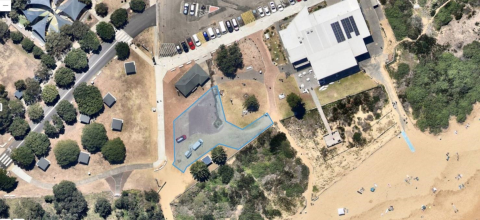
<point>29,209</point>
<point>57,44</point>
<point>114,151</point>
<point>66,153</point>
<point>48,61</point>
<point>123,51</point>
<point>4,209</point>
<point>88,98</point>
<point>37,52</point>
<point>226,172</point>
<point>94,137</point>
<point>219,156</point>
<point>50,130</point>
<point>105,31</point>
<point>23,157</point>
<point>251,103</point>
<point>76,31</point>
<point>64,77</point>
<point>4,32</point>
<point>7,183</point>
<point>27,44</point>
<point>200,171</point>
<point>103,207</point>
<point>16,108</point>
<point>58,123</point>
<point>16,36</point>
<point>399,14</point>
<point>20,85</point>
<point>119,18</point>
<point>137,6</point>
<point>296,104</point>
<point>68,200</point>
<point>50,94</point>
<point>229,60</point>
<point>35,112</point>
<point>76,60</point>
<point>42,73</point>
<point>19,128</point>
<point>38,143</point>
<point>5,116</point>
<point>33,91</point>
<point>67,111</point>
<point>90,42</point>
<point>101,9</point>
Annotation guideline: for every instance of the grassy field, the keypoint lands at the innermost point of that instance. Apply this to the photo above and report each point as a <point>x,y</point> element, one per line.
<point>286,87</point>
<point>345,87</point>
<point>275,46</point>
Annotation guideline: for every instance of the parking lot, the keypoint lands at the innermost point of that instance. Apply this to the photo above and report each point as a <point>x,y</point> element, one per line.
<point>176,26</point>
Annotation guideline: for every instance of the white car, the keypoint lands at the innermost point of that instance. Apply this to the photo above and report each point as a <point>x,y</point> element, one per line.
<point>267,12</point>
<point>280,7</point>
<point>260,12</point>
<point>185,9</point>
<point>273,7</point>
<point>192,9</point>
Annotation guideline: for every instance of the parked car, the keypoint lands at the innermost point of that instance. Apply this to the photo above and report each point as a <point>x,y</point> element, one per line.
<point>196,40</point>
<point>188,154</point>
<point>235,24</point>
<point>192,9</point>
<point>185,9</point>
<point>196,145</point>
<point>280,7</point>
<point>191,44</point>
<point>299,0</point>
<point>205,35</point>
<point>267,11</point>
<point>185,47</point>
<point>229,26</point>
<point>181,138</point>
<point>179,49</point>
<point>273,7</point>
<point>217,31</point>
<point>260,12</point>
<point>211,33</point>
<point>292,2</point>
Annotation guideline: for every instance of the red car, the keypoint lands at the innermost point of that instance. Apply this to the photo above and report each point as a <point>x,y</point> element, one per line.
<point>181,138</point>
<point>191,44</point>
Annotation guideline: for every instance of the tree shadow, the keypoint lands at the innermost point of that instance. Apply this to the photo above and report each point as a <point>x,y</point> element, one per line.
<point>299,111</point>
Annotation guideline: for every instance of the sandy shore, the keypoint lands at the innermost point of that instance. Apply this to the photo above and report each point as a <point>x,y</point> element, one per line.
<point>392,164</point>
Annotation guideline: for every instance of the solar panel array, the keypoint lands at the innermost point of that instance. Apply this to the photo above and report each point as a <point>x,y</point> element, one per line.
<point>338,32</point>
<point>354,25</point>
<point>347,27</point>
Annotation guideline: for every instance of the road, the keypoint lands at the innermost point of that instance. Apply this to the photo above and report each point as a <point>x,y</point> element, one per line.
<point>96,62</point>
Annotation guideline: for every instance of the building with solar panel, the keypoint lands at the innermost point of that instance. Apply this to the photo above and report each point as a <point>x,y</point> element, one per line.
<point>332,41</point>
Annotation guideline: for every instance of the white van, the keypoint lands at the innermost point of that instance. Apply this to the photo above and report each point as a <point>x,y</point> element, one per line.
<point>235,24</point>
<point>222,27</point>
<point>195,39</point>
<point>196,145</point>
<point>211,33</point>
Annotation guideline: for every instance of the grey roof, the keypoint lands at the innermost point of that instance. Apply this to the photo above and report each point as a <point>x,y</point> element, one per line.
<point>72,8</point>
<point>40,26</point>
<point>191,79</point>
<point>18,94</point>
<point>43,164</point>
<point>85,119</point>
<point>207,160</point>
<point>117,124</point>
<point>130,68</point>
<point>109,100</point>
<point>39,2</point>
<point>31,14</point>
<point>84,158</point>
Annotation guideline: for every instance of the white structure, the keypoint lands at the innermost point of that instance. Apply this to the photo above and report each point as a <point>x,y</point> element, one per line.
<point>331,40</point>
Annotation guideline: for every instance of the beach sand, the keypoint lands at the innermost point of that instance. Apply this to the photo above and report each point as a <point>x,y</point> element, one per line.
<point>392,164</point>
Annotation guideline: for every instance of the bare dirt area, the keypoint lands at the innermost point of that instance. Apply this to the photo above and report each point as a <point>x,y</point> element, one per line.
<point>175,103</point>
<point>234,95</point>
<point>141,179</point>
<point>252,58</point>
<point>135,96</point>
<point>145,40</point>
<point>459,33</point>
<point>15,64</point>
<point>25,189</point>
<point>113,4</point>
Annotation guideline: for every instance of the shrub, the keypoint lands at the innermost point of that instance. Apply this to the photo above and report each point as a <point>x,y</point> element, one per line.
<point>16,108</point>
<point>137,6</point>
<point>49,129</point>
<point>105,31</point>
<point>66,153</point>
<point>48,61</point>
<point>276,142</point>
<point>4,209</point>
<point>200,171</point>
<point>64,77</point>
<point>50,94</point>
<point>4,32</point>
<point>48,199</point>
<point>152,196</point>
<point>27,45</point>
<point>68,200</point>
<point>19,128</point>
<point>123,51</point>
<point>38,143</point>
<point>226,172</point>
<point>103,207</point>
<point>37,52</point>
<point>229,60</point>
<point>56,44</point>
<point>23,157</point>
<point>94,137</point>
<point>101,9</point>
<point>114,151</point>
<point>88,98</point>
<point>20,85</point>
<point>296,104</point>
<point>7,183</point>
<point>35,112</point>
<point>57,121</point>
<point>251,104</point>
<point>16,36</point>
<point>219,156</point>
<point>67,111</point>
<point>76,60</point>
<point>119,18</point>
<point>90,42</point>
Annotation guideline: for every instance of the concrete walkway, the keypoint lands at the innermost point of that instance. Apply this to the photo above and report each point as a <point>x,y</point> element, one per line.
<point>320,110</point>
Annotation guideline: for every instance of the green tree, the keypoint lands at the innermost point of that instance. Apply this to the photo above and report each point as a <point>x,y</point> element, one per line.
<point>402,71</point>
<point>7,183</point>
<point>37,51</point>
<point>226,172</point>
<point>123,51</point>
<point>5,116</point>
<point>114,151</point>
<point>105,31</point>
<point>33,91</point>
<point>103,207</point>
<point>13,14</point>
<point>3,92</point>
<point>88,98</point>
<point>16,108</point>
<point>276,142</point>
<point>49,129</point>
<point>251,104</point>
<point>58,123</point>
<point>29,209</point>
<point>23,157</point>
<point>94,137</point>
<point>35,112</point>
<point>38,143</point>
<point>229,60</point>
<point>4,209</point>
<point>66,152</point>
<point>119,18</point>
<point>200,171</point>
<point>76,60</point>
<point>19,128</point>
<point>76,31</point>
<point>48,61</point>
<point>4,32</point>
<point>152,196</point>
<point>101,9</point>
<point>358,139</point>
<point>50,94</point>
<point>90,42</point>
<point>67,111</point>
<point>42,73</point>
<point>27,45</point>
<point>219,156</point>
<point>20,85</point>
<point>64,77</point>
<point>296,104</point>
<point>68,200</point>
<point>57,44</point>
<point>16,36</point>
<point>137,6</point>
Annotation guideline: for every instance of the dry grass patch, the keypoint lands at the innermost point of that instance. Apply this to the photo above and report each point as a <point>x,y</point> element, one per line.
<point>347,86</point>
<point>275,46</point>
<point>286,87</point>
<point>235,91</point>
<point>145,39</point>
<point>113,5</point>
